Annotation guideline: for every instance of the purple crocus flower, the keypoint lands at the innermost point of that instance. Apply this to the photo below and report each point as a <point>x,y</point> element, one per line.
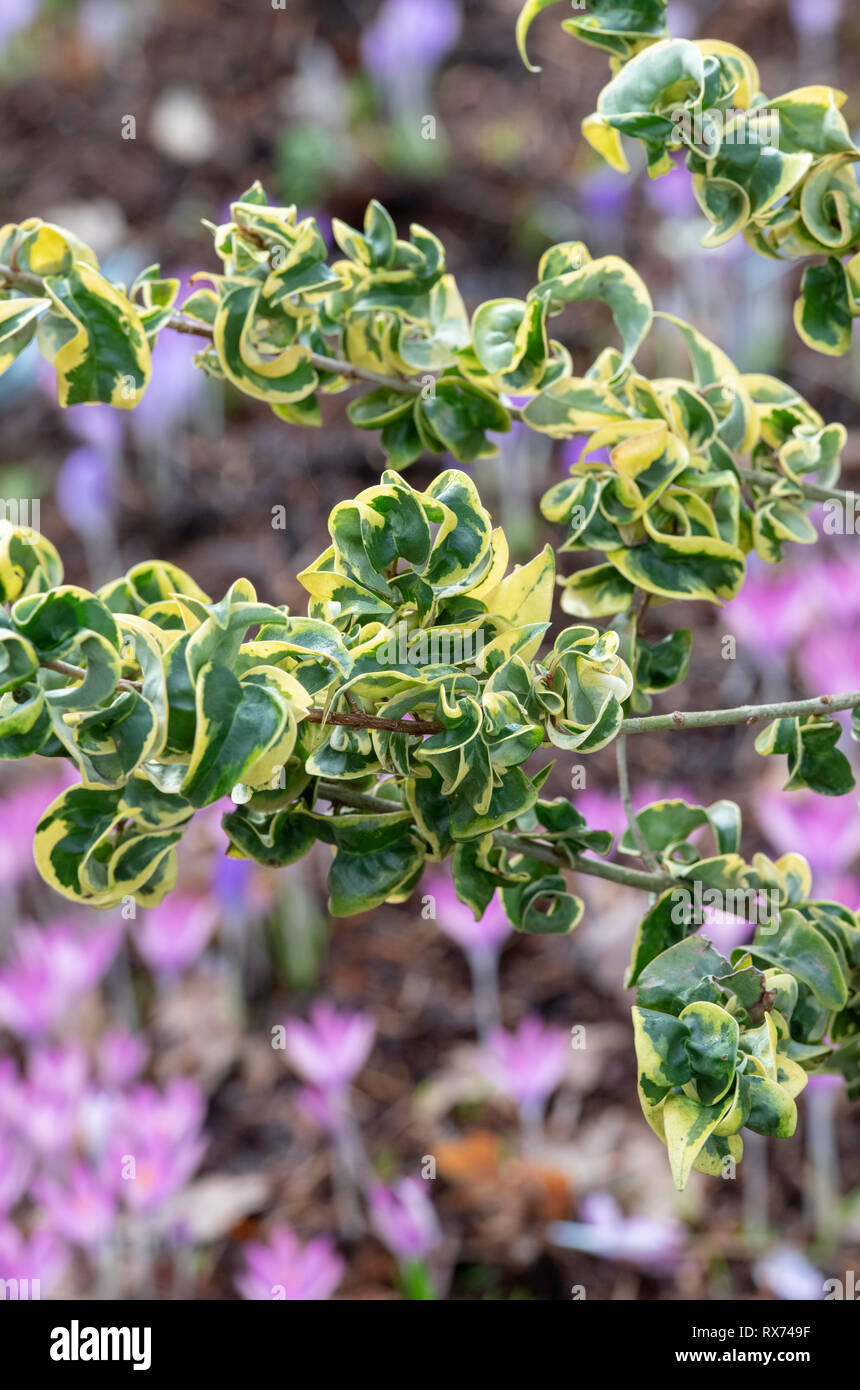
<point>283,1268</point>
<point>458,921</point>
<point>121,1058</point>
<point>604,195</point>
<point>79,1208</point>
<point>331,1049</point>
<point>54,967</point>
<point>646,1242</point>
<point>681,19</point>
<point>573,449</point>
<point>174,935</point>
<point>231,882</point>
<point>528,1064</point>
<point>176,386</point>
<point>404,1218</point>
<point>99,426</point>
<point>86,491</point>
<point>409,36</point>
<point>811,20</point>
<point>672,194</point>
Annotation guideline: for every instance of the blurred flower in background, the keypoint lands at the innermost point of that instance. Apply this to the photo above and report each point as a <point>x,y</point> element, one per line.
<point>16,15</point>
<point>409,38</point>
<point>481,942</point>
<point>788,1274</point>
<point>330,1050</point>
<point>175,934</point>
<point>827,837</point>
<point>527,1065</point>
<point>54,965</point>
<point>404,1218</point>
<point>647,1243</point>
<point>401,50</point>
<point>283,1268</point>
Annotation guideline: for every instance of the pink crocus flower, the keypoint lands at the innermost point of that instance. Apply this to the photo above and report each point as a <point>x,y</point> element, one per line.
<point>480,940</point>
<point>823,1083</point>
<point>834,583</point>
<point>156,1146</point>
<point>60,1071</point>
<point>725,931</point>
<point>283,1268</point>
<point>322,1109</point>
<point>20,811</point>
<point>173,935</point>
<point>150,1170</point>
<point>825,829</point>
<point>829,660</point>
<point>646,1242</point>
<point>840,888</point>
<point>47,1119</point>
<point>332,1048</point>
<point>121,1058</point>
<point>404,1218</point>
<point>80,1208</point>
<point>603,809</point>
<point>771,611</point>
<point>172,1114</point>
<point>458,921</point>
<point>528,1064</point>
<point>44,1257</point>
<point>54,967</point>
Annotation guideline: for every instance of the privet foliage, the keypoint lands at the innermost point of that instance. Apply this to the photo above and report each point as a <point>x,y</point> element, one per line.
<point>778,169</point>
<point>396,721</point>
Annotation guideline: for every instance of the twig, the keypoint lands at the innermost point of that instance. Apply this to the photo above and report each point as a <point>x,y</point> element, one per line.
<point>815,493</point>
<point>418,728</point>
<point>77,673</point>
<point>520,844</point>
<point>627,802</point>
<point>741,714</point>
